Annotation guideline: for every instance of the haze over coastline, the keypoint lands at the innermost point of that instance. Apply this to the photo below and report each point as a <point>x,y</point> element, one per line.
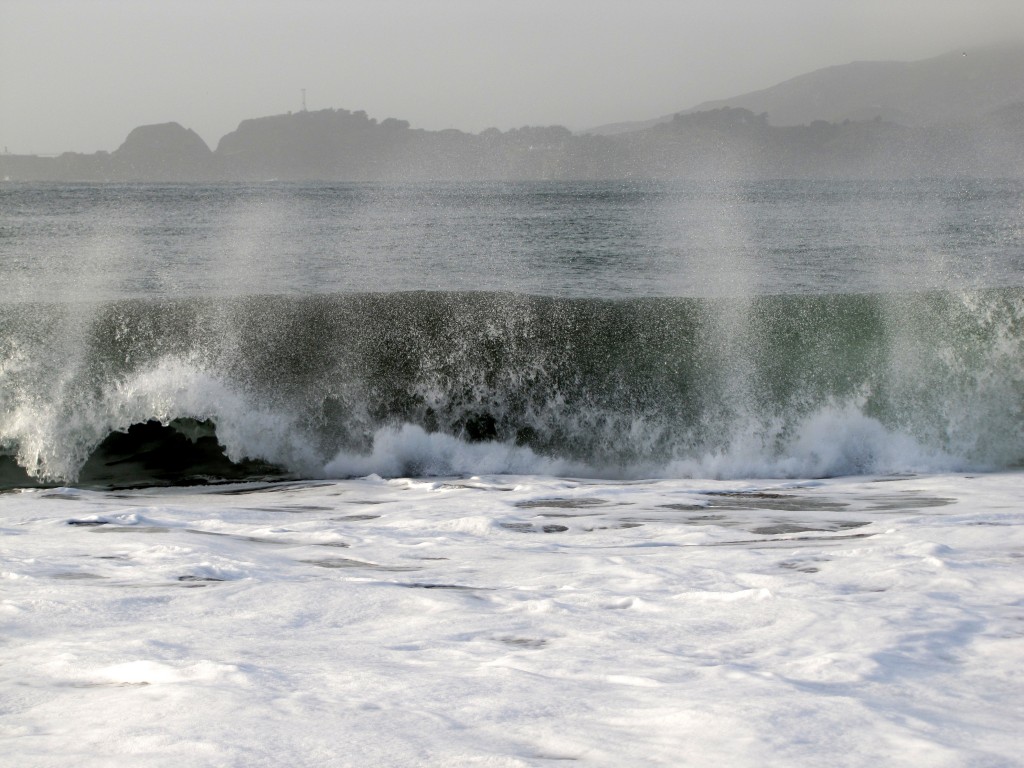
<point>958,114</point>
<point>80,76</point>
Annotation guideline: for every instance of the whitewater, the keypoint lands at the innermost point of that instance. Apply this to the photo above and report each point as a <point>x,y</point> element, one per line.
<point>512,474</point>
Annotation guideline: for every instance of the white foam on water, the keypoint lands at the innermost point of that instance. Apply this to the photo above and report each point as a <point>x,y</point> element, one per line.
<point>835,440</point>
<point>53,442</point>
<point>516,620</point>
<point>410,450</point>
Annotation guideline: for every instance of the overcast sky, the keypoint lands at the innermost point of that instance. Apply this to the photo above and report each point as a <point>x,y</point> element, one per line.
<point>80,74</point>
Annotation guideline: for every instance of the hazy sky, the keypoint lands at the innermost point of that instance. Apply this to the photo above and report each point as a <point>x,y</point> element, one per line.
<point>80,74</point>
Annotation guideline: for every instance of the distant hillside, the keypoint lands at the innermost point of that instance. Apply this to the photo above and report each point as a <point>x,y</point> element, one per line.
<point>956,87</point>
<point>954,115</point>
<point>717,144</point>
<point>167,151</point>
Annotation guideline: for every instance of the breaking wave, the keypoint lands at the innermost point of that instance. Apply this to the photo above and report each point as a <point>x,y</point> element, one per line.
<point>449,383</point>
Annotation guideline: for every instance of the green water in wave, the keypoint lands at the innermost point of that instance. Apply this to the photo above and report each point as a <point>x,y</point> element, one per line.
<point>618,385</point>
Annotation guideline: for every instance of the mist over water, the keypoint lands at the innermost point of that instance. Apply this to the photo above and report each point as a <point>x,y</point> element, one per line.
<point>609,240</point>
<point>610,330</point>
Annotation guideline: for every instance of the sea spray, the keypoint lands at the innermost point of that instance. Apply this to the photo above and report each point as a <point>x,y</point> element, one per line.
<point>805,385</point>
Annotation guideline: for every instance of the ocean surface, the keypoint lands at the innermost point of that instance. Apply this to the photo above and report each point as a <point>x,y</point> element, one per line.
<point>601,329</point>
<point>512,474</point>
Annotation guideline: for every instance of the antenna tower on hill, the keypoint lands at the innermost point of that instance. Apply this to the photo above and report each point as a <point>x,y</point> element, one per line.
<point>304,100</point>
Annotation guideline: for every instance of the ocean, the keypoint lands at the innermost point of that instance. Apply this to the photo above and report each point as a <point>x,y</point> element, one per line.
<point>627,472</point>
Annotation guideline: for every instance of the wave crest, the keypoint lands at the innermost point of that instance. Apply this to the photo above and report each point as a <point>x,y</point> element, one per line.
<point>486,383</point>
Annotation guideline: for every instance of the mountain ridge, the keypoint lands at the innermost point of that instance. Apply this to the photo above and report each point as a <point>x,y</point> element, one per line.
<point>939,89</point>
